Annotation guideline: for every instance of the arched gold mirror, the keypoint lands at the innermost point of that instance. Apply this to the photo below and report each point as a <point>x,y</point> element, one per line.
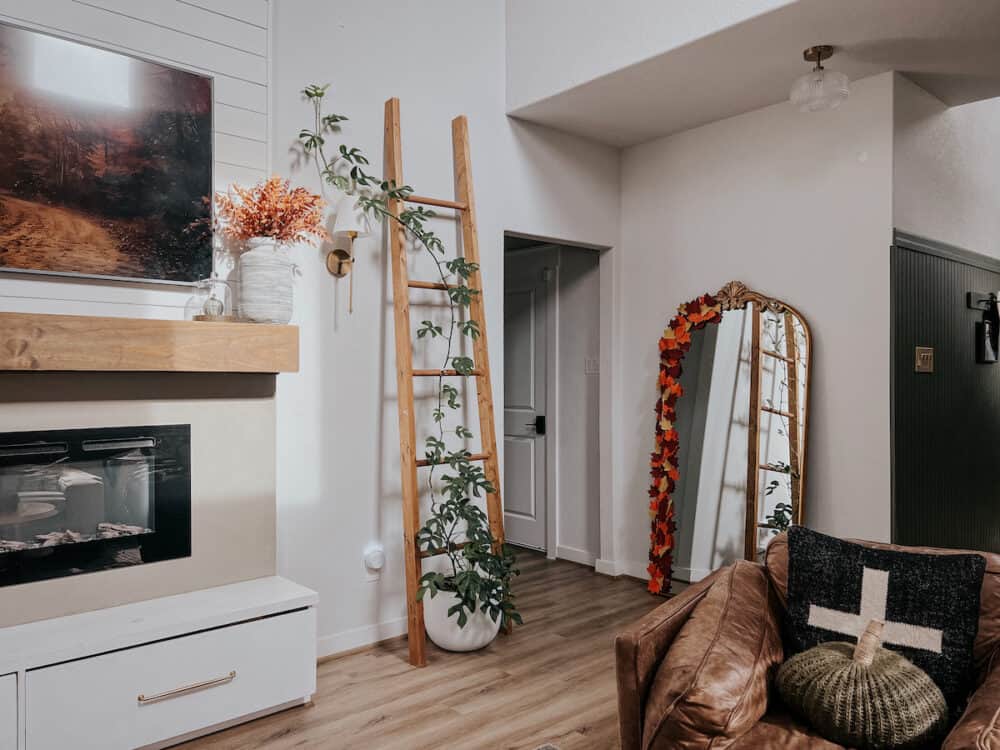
<point>728,468</point>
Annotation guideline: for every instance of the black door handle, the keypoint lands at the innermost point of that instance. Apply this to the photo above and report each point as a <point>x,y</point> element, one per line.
<point>538,424</point>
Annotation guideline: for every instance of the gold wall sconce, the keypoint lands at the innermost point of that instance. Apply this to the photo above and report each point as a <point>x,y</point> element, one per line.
<point>351,223</point>
<point>339,262</point>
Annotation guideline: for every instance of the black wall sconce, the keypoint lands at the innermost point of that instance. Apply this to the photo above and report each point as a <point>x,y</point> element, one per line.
<point>987,329</point>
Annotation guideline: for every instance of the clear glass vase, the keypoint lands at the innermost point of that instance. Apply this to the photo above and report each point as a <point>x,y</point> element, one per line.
<point>212,300</point>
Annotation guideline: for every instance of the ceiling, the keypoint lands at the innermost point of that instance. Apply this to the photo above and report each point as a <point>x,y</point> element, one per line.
<point>514,242</point>
<point>949,47</point>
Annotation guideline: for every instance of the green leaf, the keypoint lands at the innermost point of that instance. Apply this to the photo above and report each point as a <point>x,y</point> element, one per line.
<point>311,141</point>
<point>450,394</point>
<point>314,91</point>
<point>463,365</point>
<point>330,121</point>
<point>462,295</point>
<point>470,328</point>
<point>462,267</point>
<point>427,328</point>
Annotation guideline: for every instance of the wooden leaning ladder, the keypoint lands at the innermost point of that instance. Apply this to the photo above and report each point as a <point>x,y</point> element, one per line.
<point>464,204</point>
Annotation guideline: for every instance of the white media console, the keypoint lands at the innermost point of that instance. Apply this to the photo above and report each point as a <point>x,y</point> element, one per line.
<point>151,674</point>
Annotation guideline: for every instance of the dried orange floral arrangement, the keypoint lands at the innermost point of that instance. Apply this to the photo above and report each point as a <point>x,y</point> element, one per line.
<point>272,209</point>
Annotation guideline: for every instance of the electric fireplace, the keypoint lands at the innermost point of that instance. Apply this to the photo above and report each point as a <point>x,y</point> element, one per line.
<point>80,501</point>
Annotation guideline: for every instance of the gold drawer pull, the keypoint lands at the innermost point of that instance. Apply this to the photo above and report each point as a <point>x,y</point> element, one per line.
<point>144,700</point>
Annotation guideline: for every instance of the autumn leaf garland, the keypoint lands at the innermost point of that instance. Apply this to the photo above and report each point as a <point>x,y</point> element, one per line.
<point>664,473</point>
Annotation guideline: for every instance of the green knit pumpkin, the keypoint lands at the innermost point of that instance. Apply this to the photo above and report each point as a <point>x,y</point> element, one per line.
<point>864,696</point>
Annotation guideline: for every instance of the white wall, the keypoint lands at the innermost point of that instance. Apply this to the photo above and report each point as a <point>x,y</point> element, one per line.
<point>227,39</point>
<point>712,418</point>
<point>338,465</point>
<point>947,169</point>
<point>557,44</point>
<point>798,206</point>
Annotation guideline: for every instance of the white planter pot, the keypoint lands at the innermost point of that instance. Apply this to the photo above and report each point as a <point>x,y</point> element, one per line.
<point>478,632</point>
<point>265,282</point>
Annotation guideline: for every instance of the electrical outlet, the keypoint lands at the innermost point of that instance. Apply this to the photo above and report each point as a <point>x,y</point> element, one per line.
<point>591,366</point>
<point>374,561</point>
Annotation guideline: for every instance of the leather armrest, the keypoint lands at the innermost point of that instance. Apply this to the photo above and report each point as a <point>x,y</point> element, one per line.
<point>712,686</point>
<point>639,651</point>
<point>979,726</point>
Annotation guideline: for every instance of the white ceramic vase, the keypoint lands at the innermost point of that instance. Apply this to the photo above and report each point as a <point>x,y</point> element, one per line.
<point>478,632</point>
<point>265,282</point>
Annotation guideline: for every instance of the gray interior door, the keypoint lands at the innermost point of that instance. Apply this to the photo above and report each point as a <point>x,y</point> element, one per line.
<point>525,372</point>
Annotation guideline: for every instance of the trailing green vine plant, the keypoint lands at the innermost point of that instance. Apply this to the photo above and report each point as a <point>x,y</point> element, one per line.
<point>481,570</point>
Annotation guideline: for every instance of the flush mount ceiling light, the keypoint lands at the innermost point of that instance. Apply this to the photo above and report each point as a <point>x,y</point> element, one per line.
<point>820,88</point>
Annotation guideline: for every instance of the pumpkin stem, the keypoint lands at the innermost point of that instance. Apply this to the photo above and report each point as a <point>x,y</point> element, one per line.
<point>869,642</point>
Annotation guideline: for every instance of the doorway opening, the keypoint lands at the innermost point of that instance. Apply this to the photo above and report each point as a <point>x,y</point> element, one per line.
<point>552,398</point>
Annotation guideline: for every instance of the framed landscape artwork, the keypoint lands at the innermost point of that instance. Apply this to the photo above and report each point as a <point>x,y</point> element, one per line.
<point>105,163</point>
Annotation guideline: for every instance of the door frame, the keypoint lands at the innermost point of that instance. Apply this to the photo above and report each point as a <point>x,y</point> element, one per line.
<point>604,560</point>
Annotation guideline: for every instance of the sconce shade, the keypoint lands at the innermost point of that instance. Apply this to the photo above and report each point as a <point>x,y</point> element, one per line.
<point>351,220</point>
<point>819,89</point>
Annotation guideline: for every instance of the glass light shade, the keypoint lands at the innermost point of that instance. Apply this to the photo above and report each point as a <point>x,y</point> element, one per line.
<point>820,89</point>
<point>350,218</point>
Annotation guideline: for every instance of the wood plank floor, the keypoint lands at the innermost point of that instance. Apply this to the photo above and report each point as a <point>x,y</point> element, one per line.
<point>552,680</point>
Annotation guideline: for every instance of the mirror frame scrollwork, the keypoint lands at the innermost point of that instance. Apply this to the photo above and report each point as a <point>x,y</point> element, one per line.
<point>664,466</point>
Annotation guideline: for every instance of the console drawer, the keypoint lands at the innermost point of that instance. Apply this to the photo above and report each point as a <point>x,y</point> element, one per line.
<point>140,696</point>
<point>8,712</point>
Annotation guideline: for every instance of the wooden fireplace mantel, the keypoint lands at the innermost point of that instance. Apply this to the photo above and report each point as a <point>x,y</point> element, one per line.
<point>71,343</point>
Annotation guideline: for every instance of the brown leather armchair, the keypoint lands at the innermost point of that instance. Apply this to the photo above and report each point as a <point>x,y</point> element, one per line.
<point>717,691</point>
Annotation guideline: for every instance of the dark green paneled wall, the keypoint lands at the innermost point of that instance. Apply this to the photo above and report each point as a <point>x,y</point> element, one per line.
<point>946,425</point>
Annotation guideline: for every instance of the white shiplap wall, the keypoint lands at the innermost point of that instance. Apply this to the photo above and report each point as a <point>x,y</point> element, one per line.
<point>226,39</point>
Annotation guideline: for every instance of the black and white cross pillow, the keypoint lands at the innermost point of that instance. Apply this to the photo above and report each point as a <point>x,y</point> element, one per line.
<point>929,603</point>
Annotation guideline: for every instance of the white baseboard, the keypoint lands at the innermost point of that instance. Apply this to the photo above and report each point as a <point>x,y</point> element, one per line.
<point>632,568</point>
<point>366,635</point>
<point>606,567</point>
<point>575,555</point>
<point>691,575</point>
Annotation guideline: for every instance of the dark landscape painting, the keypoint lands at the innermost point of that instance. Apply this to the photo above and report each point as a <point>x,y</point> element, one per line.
<point>105,162</point>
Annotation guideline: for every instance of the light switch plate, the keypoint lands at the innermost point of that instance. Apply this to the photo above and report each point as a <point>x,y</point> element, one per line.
<point>923,359</point>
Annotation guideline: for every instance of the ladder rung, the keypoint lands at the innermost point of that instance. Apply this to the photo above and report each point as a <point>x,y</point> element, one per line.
<point>437,202</point>
<point>430,285</point>
<point>440,550</point>
<point>775,355</point>
<point>775,467</point>
<point>436,373</point>
<point>473,457</point>
<point>779,412</point>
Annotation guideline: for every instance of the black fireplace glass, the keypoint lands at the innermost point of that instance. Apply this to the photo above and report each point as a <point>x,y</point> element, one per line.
<point>80,501</point>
